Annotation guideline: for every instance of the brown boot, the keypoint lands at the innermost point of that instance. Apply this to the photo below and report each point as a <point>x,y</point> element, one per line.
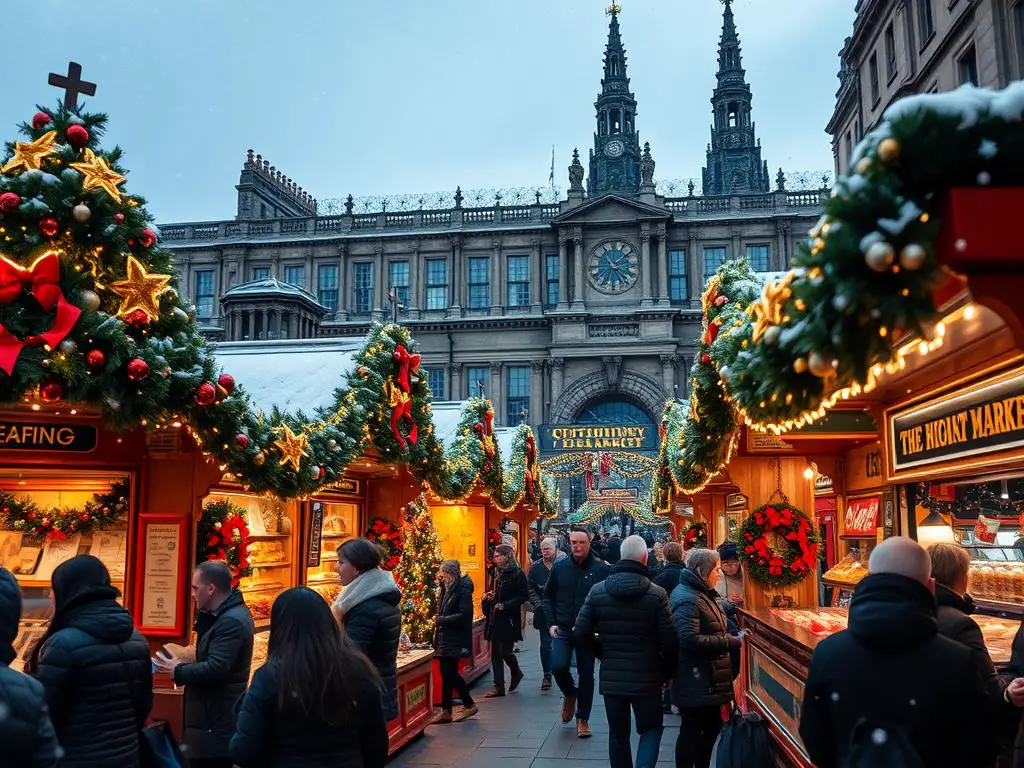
<point>568,707</point>
<point>497,692</point>
<point>442,717</point>
<point>465,713</point>
<point>517,678</point>
<point>583,729</point>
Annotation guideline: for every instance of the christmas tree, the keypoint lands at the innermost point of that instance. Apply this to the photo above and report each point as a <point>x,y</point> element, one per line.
<point>416,573</point>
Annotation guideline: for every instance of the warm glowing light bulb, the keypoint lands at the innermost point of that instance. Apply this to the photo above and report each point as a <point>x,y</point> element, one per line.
<point>808,474</point>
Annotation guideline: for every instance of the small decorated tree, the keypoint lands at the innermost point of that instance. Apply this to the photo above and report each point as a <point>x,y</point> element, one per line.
<point>417,569</point>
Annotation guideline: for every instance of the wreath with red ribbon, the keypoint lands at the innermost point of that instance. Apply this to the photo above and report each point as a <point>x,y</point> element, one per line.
<point>223,534</point>
<point>388,537</point>
<point>778,568</point>
<point>493,540</point>
<point>695,535</point>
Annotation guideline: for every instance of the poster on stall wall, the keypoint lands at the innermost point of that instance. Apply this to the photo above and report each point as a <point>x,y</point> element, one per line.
<point>110,548</point>
<point>55,552</point>
<point>985,530</point>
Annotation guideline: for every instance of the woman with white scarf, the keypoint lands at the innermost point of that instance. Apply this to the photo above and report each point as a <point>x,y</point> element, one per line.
<point>368,612</point>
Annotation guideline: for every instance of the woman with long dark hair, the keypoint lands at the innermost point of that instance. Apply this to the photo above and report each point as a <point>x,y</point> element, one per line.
<point>317,701</point>
<point>94,667</point>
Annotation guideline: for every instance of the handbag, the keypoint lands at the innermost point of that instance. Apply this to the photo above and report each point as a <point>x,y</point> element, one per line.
<point>745,742</point>
<point>158,747</point>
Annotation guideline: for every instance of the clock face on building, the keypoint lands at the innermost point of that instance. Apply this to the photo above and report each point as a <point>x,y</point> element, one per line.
<point>614,148</point>
<point>614,267</point>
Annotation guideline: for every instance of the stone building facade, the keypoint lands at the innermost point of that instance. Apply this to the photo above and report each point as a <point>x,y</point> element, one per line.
<point>903,47</point>
<point>564,310</point>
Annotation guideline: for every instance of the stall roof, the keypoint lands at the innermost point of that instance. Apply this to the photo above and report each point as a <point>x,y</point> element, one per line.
<point>293,375</point>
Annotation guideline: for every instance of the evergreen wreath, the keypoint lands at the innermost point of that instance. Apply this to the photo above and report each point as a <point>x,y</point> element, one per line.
<point>695,535</point>
<point>223,534</point>
<point>778,567</point>
<point>21,513</point>
<point>388,537</point>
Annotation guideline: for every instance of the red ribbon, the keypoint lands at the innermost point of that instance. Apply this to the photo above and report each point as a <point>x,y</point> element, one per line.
<point>42,279</point>
<point>404,411</point>
<point>407,363</point>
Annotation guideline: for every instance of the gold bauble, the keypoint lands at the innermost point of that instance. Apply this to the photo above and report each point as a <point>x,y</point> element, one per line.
<point>81,213</point>
<point>879,256</point>
<point>888,150</point>
<point>912,256</point>
<point>800,365</point>
<point>90,300</point>
<point>820,365</point>
<point>259,458</point>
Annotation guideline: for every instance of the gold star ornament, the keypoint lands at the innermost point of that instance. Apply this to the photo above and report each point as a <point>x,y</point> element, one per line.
<point>292,447</point>
<point>29,154</point>
<point>140,290</point>
<point>767,311</point>
<point>99,175</point>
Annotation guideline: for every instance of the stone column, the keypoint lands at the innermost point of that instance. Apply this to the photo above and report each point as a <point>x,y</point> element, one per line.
<point>536,276</point>
<point>536,392</point>
<point>663,297</point>
<point>293,325</point>
<point>696,268</point>
<point>668,374</point>
<point>557,378</point>
<point>380,281</point>
<point>577,288</point>
<point>497,393</point>
<point>645,266</point>
<point>269,320</point>
<point>342,312</point>
<point>778,258</point>
<point>735,233</point>
<point>187,289</point>
<point>416,290</point>
<point>563,272</point>
<point>497,278</point>
<point>455,381</point>
<point>454,272</point>
<point>307,268</point>
<point>280,323</point>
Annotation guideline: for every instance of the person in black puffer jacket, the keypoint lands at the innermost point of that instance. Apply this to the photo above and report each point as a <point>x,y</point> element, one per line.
<point>453,639</point>
<point>367,609</point>
<point>25,731</point>
<point>503,625</point>
<point>703,680</point>
<point>317,701</point>
<point>638,649</point>
<point>95,668</point>
<point>668,578</point>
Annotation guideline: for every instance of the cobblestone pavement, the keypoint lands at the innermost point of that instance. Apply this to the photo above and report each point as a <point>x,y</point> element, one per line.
<point>521,730</point>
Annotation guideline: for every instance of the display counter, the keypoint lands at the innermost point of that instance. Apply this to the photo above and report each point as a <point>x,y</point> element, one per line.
<point>415,697</point>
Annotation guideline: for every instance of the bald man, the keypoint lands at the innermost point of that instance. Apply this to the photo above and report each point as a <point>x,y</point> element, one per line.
<point>913,689</point>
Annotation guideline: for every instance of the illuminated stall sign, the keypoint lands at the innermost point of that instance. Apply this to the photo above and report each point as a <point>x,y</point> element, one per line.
<point>47,436</point>
<point>983,420</point>
<point>615,437</point>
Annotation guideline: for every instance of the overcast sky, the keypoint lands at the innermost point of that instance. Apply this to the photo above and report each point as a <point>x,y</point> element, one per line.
<point>404,96</point>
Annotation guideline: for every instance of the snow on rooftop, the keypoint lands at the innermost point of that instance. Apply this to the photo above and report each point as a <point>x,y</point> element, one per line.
<point>292,375</point>
<point>447,414</point>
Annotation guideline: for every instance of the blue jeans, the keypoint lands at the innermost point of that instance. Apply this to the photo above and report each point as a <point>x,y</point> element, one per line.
<point>561,658</point>
<point>647,710</point>
<point>545,649</point>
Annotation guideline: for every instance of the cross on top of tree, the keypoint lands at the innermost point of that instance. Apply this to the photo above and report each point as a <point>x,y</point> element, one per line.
<point>73,84</point>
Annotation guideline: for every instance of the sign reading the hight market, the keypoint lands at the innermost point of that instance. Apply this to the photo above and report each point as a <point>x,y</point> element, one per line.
<point>985,419</point>
<point>614,437</point>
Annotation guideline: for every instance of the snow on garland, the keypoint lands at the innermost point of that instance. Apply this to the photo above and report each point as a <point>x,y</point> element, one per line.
<point>223,534</point>
<point>21,513</point>
<point>778,545</point>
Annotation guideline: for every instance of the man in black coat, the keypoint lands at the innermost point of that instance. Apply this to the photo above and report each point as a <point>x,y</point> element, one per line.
<point>567,589</point>
<point>638,647</point>
<point>25,731</point>
<point>892,670</point>
<point>218,677</point>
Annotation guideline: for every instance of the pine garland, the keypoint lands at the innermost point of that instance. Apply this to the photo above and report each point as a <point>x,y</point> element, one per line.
<point>21,513</point>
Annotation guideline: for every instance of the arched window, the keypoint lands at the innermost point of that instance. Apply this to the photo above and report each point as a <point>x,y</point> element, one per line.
<point>614,411</point>
<point>733,114</point>
<point>616,121</point>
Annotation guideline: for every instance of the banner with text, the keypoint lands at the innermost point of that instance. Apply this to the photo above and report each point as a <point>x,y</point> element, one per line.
<point>583,438</point>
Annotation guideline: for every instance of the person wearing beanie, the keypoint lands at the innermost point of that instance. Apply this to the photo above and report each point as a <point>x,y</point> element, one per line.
<point>730,586</point>
<point>25,731</point>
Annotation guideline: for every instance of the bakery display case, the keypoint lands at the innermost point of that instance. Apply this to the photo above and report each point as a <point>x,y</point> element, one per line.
<point>996,580</point>
<point>844,576</point>
<point>332,523</point>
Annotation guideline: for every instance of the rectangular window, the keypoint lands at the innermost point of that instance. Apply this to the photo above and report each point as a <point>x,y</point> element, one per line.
<point>552,276</point>
<point>362,287</point>
<point>925,20</point>
<point>517,401</point>
<point>713,259</point>
<point>758,257</point>
<point>204,293</point>
<point>260,273</point>
<point>967,67</point>
<point>518,274</point>
<point>890,52</point>
<point>295,276</point>
<point>437,283</point>
<point>398,277</point>
<point>327,286</point>
<point>677,289</point>
<point>478,377</point>
<point>479,283</point>
<point>435,380</point>
<point>873,75</point>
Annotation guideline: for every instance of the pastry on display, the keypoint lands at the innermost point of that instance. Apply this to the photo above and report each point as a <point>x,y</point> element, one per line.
<point>335,526</point>
<point>998,634</point>
<point>266,551</point>
<point>260,608</point>
<point>817,621</point>
<point>1002,582</point>
<point>849,570</point>
<point>327,590</point>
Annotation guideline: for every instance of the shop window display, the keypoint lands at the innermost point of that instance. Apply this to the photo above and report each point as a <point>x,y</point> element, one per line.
<point>340,522</point>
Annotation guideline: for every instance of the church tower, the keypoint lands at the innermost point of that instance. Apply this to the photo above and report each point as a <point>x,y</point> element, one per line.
<point>734,164</point>
<point>615,158</point>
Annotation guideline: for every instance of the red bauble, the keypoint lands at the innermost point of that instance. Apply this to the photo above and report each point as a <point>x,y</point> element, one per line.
<point>138,369</point>
<point>137,319</point>
<point>77,135</point>
<point>49,226</point>
<point>95,359</point>
<point>147,238</point>
<point>227,381</point>
<point>206,394</point>
<point>721,300</point>
<point>119,218</point>
<point>40,120</point>
<point>51,391</point>
<point>85,517</point>
<point>242,441</point>
<point>9,202</point>
<point>705,358</point>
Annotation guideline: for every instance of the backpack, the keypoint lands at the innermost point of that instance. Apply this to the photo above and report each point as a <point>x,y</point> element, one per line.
<point>745,742</point>
<point>874,743</point>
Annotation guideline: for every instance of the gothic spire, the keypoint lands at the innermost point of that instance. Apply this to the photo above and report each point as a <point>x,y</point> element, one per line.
<point>730,66</point>
<point>614,54</point>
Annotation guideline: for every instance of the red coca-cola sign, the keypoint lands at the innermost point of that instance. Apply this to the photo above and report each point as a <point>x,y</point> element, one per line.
<point>862,517</point>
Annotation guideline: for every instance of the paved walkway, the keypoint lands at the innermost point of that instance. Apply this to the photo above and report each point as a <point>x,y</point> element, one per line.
<point>521,730</point>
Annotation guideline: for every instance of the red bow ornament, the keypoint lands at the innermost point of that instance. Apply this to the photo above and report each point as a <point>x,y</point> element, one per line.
<point>401,410</point>
<point>408,363</point>
<point>42,280</point>
<point>486,431</point>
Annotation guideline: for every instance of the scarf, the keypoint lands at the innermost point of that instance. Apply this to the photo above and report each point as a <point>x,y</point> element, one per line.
<point>365,586</point>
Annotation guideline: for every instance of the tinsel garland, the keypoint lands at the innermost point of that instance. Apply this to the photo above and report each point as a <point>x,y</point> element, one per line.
<point>223,534</point>
<point>22,514</point>
<point>785,566</point>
